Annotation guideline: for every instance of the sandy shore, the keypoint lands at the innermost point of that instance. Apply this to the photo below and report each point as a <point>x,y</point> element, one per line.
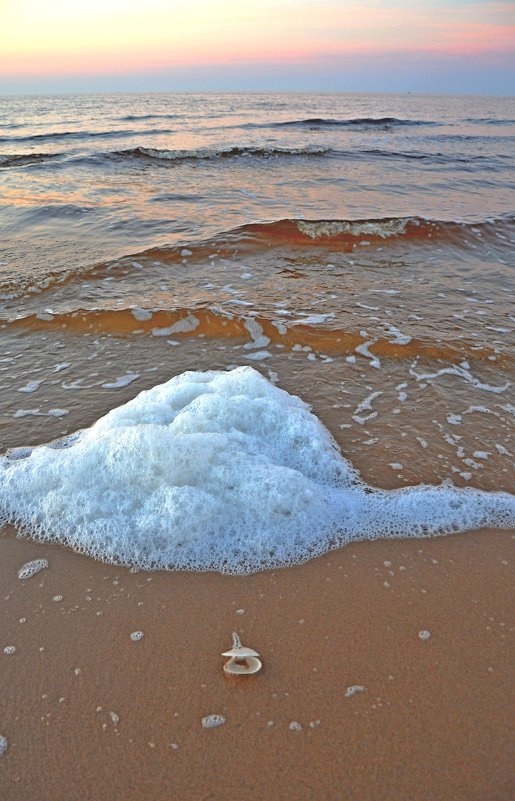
<point>90,714</point>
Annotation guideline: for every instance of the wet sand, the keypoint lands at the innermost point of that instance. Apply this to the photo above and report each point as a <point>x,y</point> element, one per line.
<point>91,714</point>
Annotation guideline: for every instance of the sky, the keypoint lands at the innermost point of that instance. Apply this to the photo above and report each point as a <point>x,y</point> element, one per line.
<point>450,46</point>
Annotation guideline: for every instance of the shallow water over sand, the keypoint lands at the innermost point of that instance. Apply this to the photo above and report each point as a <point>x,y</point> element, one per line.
<point>357,250</point>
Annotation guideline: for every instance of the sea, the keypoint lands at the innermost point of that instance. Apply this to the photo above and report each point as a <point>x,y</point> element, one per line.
<point>356,250</point>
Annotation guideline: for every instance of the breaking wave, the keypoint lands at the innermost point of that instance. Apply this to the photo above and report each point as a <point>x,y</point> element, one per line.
<point>80,135</point>
<point>25,159</point>
<point>136,117</point>
<point>489,121</point>
<point>352,232</point>
<point>355,122</point>
<point>251,238</point>
<point>202,154</point>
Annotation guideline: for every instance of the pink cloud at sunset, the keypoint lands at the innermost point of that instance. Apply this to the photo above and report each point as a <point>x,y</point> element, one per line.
<point>115,37</point>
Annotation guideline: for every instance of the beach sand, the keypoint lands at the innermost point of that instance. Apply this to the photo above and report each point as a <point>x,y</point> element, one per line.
<point>91,714</point>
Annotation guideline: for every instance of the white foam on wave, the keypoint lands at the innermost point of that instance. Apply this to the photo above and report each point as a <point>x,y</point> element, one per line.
<point>330,228</point>
<point>219,471</point>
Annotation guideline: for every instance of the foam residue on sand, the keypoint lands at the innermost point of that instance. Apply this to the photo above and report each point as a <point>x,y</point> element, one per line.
<point>30,569</point>
<point>219,471</point>
<point>212,721</point>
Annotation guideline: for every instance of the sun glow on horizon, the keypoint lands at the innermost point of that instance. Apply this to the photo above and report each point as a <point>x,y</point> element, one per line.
<point>119,37</point>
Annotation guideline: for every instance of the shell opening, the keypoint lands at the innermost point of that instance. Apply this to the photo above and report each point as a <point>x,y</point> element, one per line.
<point>238,666</point>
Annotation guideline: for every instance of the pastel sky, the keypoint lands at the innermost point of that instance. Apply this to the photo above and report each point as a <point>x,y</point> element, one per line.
<point>333,45</point>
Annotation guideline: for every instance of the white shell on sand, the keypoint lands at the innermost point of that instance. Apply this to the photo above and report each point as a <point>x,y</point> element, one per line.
<point>243,660</point>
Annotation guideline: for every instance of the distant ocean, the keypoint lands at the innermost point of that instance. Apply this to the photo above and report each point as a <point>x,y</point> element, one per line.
<point>358,250</point>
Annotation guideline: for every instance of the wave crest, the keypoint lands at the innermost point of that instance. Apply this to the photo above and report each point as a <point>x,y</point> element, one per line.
<point>201,154</point>
<point>354,122</point>
<point>24,159</point>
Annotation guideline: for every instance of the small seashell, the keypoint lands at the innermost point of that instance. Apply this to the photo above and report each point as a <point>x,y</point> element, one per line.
<point>243,661</point>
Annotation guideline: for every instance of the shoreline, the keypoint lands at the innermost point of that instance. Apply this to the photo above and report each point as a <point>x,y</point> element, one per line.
<point>90,713</point>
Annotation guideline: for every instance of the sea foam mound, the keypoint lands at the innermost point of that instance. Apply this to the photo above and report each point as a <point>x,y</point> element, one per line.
<point>218,471</point>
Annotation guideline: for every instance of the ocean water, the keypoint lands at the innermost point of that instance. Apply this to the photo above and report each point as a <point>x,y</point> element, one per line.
<point>356,250</point>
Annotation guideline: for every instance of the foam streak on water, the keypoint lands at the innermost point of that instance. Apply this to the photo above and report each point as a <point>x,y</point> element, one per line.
<point>219,471</point>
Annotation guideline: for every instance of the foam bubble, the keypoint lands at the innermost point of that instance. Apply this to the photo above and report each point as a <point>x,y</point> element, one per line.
<point>219,471</point>
<point>259,355</point>
<point>121,381</point>
<point>28,413</point>
<point>363,350</point>
<point>313,319</point>
<point>211,721</point>
<point>136,636</point>
<point>32,386</point>
<point>462,371</point>
<point>398,337</point>
<point>183,326</point>
<point>366,405</point>
<point>356,688</point>
<point>141,314</point>
<point>255,329</point>
<point>31,568</point>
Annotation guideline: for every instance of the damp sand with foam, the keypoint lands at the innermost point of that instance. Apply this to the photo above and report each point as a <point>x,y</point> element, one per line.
<point>391,635</point>
<point>350,619</point>
<point>222,471</point>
